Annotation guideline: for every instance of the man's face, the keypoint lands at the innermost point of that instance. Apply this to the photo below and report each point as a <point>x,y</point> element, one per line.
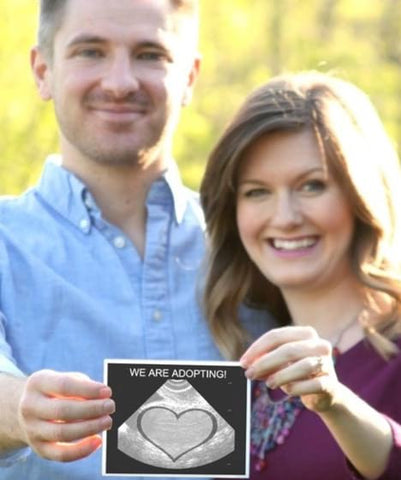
<point>120,73</point>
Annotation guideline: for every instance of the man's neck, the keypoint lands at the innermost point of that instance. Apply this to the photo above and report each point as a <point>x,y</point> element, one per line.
<point>120,192</point>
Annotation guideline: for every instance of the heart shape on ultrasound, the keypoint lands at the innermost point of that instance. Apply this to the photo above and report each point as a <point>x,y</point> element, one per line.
<point>176,434</point>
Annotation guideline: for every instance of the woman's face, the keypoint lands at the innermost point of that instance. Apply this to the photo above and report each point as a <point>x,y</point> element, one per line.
<point>293,218</point>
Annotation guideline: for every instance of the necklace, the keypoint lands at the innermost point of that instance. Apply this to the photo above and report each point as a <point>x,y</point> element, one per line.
<point>272,421</point>
<point>340,335</point>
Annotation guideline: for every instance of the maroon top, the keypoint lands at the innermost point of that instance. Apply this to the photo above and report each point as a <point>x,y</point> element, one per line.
<point>310,452</point>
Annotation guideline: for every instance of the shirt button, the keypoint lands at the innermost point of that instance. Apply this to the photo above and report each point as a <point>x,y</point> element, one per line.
<point>119,242</point>
<point>88,202</point>
<point>157,316</point>
<point>84,224</point>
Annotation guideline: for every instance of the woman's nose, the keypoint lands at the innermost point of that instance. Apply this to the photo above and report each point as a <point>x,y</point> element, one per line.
<point>286,211</point>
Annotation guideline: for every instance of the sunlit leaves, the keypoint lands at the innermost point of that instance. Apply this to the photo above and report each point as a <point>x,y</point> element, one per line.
<point>243,43</point>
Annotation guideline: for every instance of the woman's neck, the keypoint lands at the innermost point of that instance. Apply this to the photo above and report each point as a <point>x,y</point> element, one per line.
<point>332,312</point>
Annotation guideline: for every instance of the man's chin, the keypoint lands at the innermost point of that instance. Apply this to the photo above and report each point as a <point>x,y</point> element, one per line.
<point>110,157</point>
<point>116,159</point>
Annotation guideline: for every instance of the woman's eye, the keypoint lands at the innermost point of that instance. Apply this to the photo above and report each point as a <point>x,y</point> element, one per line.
<point>255,192</point>
<point>312,186</point>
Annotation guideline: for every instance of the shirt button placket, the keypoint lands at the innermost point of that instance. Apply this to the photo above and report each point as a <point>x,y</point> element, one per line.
<point>157,315</point>
<point>160,332</point>
<point>84,225</point>
<point>119,242</point>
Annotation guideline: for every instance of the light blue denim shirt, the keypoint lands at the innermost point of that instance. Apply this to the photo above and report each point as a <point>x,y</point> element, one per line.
<point>74,291</point>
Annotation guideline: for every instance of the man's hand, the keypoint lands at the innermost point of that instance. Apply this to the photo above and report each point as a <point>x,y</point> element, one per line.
<point>61,415</point>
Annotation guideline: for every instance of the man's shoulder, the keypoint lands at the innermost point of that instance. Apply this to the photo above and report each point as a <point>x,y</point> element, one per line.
<point>17,208</point>
<point>25,221</point>
<point>10,202</point>
<point>193,203</point>
<point>256,321</point>
<point>192,194</point>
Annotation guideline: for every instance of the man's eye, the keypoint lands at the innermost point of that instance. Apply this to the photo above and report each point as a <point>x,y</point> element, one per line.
<point>90,53</point>
<point>152,56</point>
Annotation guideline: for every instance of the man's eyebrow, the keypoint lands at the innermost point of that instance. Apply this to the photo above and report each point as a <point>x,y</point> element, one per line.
<point>84,38</point>
<point>152,44</point>
<point>96,39</point>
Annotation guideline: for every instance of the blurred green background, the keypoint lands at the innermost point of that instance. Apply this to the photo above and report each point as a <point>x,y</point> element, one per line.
<point>243,43</point>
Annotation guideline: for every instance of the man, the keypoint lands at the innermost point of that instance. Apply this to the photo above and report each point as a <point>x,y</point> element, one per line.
<point>100,259</point>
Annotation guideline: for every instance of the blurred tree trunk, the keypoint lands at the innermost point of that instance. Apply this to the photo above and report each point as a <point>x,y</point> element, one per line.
<point>275,35</point>
<point>327,19</point>
<point>391,45</point>
<point>389,30</point>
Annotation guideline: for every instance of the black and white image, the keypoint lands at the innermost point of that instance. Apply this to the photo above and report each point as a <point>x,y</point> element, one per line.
<point>177,418</point>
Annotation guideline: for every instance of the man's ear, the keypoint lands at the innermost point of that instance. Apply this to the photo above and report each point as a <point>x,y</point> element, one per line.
<point>193,75</point>
<point>42,73</point>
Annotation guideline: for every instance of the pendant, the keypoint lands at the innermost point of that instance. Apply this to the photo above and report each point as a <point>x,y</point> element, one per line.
<point>271,422</point>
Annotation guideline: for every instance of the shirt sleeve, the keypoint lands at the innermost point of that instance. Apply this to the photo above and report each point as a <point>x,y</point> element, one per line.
<point>14,456</point>
<point>8,366</point>
<point>7,362</point>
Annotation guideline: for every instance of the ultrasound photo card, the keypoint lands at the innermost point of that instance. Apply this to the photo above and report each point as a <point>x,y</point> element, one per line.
<point>176,418</point>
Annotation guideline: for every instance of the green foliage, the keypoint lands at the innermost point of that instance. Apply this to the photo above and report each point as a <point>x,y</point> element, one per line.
<point>28,130</point>
<point>243,43</point>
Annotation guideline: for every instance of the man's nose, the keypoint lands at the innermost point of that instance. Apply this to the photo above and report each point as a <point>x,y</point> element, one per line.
<point>120,79</point>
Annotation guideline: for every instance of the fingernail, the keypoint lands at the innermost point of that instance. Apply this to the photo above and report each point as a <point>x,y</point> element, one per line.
<point>105,392</point>
<point>244,362</point>
<point>107,423</point>
<point>270,382</point>
<point>96,442</point>
<point>250,373</point>
<point>109,406</point>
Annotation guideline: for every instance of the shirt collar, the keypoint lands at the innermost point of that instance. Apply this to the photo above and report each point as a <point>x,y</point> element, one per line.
<point>173,179</point>
<point>70,197</point>
<point>64,192</point>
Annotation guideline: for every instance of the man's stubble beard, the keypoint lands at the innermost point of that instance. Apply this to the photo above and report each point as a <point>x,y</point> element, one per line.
<point>96,151</point>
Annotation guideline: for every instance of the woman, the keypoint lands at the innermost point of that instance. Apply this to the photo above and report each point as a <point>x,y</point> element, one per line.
<point>302,202</point>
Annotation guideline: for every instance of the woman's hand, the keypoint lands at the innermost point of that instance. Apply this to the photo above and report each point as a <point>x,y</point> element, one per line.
<point>296,360</point>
